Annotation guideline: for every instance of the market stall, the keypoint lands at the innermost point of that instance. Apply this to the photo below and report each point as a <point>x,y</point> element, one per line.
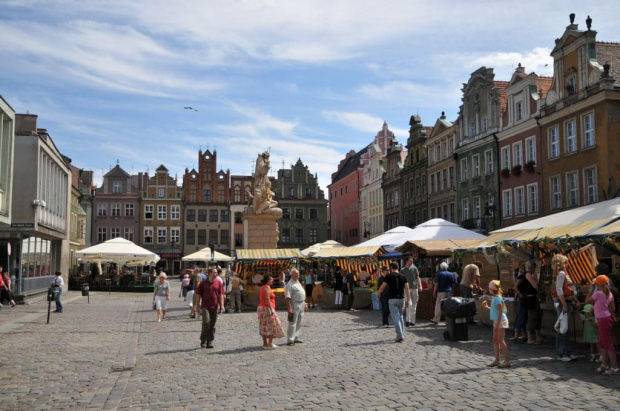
<point>205,256</point>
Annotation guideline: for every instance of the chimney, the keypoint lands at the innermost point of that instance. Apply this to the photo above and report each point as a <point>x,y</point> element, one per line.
<point>25,123</point>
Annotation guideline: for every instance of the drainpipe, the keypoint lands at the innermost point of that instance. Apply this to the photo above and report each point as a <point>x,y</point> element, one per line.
<point>498,200</point>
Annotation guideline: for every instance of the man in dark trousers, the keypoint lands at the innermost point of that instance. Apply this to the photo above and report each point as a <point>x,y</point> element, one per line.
<point>399,297</point>
<point>210,295</point>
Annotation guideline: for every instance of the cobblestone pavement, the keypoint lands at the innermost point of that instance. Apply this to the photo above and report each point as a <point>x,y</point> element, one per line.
<point>112,354</point>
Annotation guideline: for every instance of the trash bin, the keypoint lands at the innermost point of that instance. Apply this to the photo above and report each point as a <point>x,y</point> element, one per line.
<point>457,310</point>
<point>85,290</point>
<point>456,329</point>
<point>376,303</point>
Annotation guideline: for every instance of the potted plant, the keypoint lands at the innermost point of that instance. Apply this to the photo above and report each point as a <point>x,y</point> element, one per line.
<point>529,166</point>
<point>505,172</point>
<point>516,170</point>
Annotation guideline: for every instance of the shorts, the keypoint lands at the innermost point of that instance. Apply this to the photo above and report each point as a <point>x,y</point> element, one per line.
<point>309,288</point>
<point>605,327</point>
<point>503,323</point>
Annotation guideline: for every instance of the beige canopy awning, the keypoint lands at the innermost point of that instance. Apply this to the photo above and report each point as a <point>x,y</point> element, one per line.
<point>437,247</point>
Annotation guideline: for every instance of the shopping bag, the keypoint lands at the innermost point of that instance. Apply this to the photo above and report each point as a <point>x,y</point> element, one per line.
<point>561,325</point>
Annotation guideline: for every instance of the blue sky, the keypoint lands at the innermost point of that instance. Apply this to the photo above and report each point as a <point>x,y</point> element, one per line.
<point>310,79</point>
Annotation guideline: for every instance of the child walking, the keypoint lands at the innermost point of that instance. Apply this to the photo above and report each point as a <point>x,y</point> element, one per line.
<point>500,323</point>
<point>604,305</point>
<point>590,331</point>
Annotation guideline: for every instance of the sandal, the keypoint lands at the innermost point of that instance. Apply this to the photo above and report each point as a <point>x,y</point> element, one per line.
<point>601,369</point>
<point>493,364</point>
<point>505,364</point>
<point>611,371</point>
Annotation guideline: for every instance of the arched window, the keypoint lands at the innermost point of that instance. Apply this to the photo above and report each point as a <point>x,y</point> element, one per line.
<point>245,194</point>
<point>237,194</point>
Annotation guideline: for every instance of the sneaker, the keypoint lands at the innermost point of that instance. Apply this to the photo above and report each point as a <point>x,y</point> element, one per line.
<point>203,345</point>
<point>573,357</point>
<point>297,341</point>
<point>386,325</point>
<point>563,358</point>
<point>398,340</point>
<point>611,371</point>
<point>274,346</point>
<point>209,345</point>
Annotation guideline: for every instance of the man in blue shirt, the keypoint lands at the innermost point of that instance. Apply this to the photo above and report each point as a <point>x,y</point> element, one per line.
<point>442,289</point>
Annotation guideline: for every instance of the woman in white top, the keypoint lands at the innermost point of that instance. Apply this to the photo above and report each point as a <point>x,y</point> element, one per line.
<point>563,298</point>
<point>161,295</point>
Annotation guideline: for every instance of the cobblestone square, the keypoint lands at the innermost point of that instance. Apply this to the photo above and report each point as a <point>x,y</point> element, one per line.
<point>112,354</point>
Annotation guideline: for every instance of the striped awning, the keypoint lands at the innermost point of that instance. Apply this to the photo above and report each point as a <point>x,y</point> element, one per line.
<point>581,265</point>
<point>494,238</point>
<point>351,252</point>
<point>612,227</point>
<point>269,254</point>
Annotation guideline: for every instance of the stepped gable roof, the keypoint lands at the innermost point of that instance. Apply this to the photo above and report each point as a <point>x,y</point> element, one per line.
<point>351,165</point>
<point>503,99</point>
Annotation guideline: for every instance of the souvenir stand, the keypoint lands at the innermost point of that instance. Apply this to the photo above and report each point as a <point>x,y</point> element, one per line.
<point>430,254</point>
<point>361,260</point>
<point>251,265</point>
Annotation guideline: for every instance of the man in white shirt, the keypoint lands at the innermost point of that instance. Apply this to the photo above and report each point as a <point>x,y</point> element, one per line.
<point>295,296</point>
<point>58,283</point>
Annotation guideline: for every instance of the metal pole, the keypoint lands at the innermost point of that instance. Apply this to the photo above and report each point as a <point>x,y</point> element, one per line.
<point>49,308</point>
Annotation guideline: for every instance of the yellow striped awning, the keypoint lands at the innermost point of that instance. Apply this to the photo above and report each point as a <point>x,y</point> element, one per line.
<point>269,254</point>
<point>612,227</point>
<point>350,252</point>
<point>494,238</point>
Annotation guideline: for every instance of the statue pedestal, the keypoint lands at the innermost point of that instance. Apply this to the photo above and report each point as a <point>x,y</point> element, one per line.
<point>262,230</point>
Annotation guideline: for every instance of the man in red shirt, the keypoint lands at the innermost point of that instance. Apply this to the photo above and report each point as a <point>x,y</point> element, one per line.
<point>210,295</point>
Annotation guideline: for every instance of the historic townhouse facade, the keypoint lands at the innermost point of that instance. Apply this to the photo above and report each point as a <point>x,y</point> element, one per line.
<point>240,186</point>
<point>77,229</point>
<point>414,175</point>
<point>207,213</point>
<point>580,122</point>
<point>304,208</point>
<point>7,142</point>
<point>441,143</point>
<point>520,164</point>
<point>116,207</point>
<point>161,221</point>
<point>480,115</point>
<point>392,185</point>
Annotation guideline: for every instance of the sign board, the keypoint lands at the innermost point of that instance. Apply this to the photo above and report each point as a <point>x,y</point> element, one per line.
<point>22,225</point>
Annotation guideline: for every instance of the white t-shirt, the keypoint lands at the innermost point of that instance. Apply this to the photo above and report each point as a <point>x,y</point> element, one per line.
<point>190,298</point>
<point>59,282</point>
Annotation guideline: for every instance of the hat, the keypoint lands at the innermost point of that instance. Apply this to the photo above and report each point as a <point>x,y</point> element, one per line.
<point>587,308</point>
<point>601,280</point>
<point>494,285</point>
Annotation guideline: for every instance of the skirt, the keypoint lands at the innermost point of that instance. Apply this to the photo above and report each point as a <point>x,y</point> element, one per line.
<point>269,325</point>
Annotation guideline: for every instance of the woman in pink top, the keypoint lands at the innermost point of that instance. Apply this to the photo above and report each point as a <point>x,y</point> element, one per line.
<point>603,301</point>
<point>269,323</point>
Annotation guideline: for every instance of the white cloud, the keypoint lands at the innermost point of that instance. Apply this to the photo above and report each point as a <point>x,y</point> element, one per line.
<point>361,122</point>
<point>537,60</point>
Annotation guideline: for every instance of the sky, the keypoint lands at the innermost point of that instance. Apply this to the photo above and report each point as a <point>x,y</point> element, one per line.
<point>309,80</point>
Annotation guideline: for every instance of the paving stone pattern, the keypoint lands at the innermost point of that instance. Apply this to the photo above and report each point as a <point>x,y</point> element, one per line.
<point>112,354</point>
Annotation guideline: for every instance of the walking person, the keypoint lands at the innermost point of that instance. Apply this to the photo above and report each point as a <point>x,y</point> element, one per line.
<point>563,299</point>
<point>161,295</point>
<point>235,292</point>
<point>338,289</point>
<point>442,289</point>
<point>604,306</point>
<point>398,298</point>
<point>6,292</point>
<point>349,284</point>
<point>58,283</point>
<point>295,296</point>
<point>210,295</point>
<point>309,287</point>
<point>410,271</point>
<point>500,323</point>
<point>269,323</point>
<point>383,297</point>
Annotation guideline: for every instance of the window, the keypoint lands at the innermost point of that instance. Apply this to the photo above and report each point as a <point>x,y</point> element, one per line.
<point>423,181</point>
<point>308,193</point>
<point>102,209</point>
<point>519,110</point>
<point>452,212</point>
<point>554,143</point>
<point>532,198</point>
<point>162,233</point>
<point>589,177</point>
<point>161,193</point>
<point>291,192</point>
<point>148,212</point>
<point>571,137</point>
<point>148,235</point>
<point>464,209</point>
<point>213,216</point>
<point>314,214</point>
<point>224,238</point>
<point>488,155</point>
<point>286,213</point>
<point>299,235</point>
<point>313,235</point>
<point>490,205</point>
<point>299,213</point>
<point>556,192</point>
<point>220,194</point>
<point>517,154</point>
<point>417,185</point>
<point>475,166</point>
<point>519,201</point>
<point>238,218</point>
<point>101,234</point>
<point>206,196</point>
<point>246,197</point>
<point>128,234</point>
<point>115,209</point>
<point>238,240</point>
<point>213,236</point>
<point>432,185</point>
<point>485,124</point>
<point>190,215</point>
<point>506,157</point>
<point>237,194</point>
<point>451,172</point>
<point>202,237</point>
<point>129,210</point>
<point>464,170</point>
<point>175,212</point>
<point>162,212</point>
<point>507,203</point>
<point>115,232</point>
<point>175,235</point>
<point>117,187</point>
<point>476,204</point>
<point>588,130</point>
<point>225,216</point>
<point>572,189</point>
<point>190,237</point>
<point>286,235</point>
<point>530,149</point>
<point>444,179</point>
<point>472,129</point>
<point>202,215</point>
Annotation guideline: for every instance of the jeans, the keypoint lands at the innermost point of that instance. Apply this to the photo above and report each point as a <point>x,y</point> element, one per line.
<point>350,299</point>
<point>562,341</point>
<point>338,298</point>
<point>293,330</point>
<point>58,302</point>
<point>521,320</point>
<point>396,310</point>
<point>209,318</point>
<point>385,309</point>
<point>411,310</point>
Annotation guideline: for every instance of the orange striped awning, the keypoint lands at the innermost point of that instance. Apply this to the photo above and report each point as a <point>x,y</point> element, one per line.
<point>581,265</point>
<point>269,254</point>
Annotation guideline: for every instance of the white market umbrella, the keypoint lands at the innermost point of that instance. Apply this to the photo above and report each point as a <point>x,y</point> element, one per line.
<point>119,251</point>
<point>437,229</point>
<point>313,249</point>
<point>205,255</point>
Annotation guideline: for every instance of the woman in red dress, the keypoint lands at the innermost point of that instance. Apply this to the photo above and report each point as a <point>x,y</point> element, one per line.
<point>269,323</point>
